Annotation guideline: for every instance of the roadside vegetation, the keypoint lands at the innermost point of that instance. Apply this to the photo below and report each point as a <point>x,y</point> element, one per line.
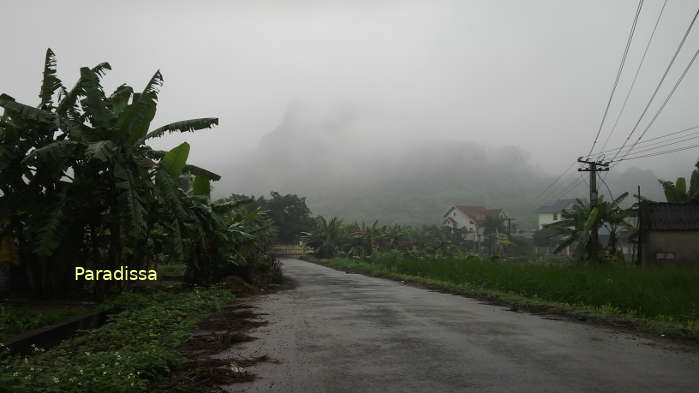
<point>132,352</point>
<point>80,186</point>
<point>594,282</point>
<point>19,318</point>
<point>658,300</point>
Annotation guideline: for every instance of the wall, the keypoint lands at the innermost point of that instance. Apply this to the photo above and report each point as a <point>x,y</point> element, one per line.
<point>547,218</point>
<point>462,220</point>
<point>684,245</point>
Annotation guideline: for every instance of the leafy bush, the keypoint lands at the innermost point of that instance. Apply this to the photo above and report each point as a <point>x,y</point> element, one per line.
<point>127,354</point>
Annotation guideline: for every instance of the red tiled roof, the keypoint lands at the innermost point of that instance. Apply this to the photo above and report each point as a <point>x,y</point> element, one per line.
<point>475,213</point>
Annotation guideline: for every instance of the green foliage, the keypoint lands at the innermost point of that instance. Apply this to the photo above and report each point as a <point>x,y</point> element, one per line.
<point>175,159</point>
<point>658,292</point>
<point>289,213</point>
<point>201,186</point>
<point>678,192</point>
<point>184,126</point>
<point>79,187</point>
<point>575,227</point>
<point>20,318</point>
<point>130,353</point>
<point>331,238</point>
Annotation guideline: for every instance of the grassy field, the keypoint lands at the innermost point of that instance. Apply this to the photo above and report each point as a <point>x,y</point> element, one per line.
<point>656,299</point>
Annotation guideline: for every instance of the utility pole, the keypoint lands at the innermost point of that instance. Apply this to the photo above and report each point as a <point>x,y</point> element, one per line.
<point>593,167</point>
<point>509,225</point>
<point>639,245</point>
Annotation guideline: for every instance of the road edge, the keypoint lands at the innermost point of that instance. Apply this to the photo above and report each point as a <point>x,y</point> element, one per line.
<point>648,328</point>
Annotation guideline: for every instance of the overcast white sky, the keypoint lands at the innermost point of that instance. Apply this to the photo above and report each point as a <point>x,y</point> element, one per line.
<point>531,73</point>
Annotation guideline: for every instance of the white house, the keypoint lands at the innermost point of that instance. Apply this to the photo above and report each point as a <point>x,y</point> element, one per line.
<point>470,218</point>
<point>549,214</point>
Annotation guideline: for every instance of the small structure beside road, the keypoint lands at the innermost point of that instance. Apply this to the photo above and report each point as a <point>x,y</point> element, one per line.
<point>669,233</point>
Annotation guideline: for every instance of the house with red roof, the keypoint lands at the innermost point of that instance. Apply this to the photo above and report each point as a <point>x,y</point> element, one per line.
<point>470,218</point>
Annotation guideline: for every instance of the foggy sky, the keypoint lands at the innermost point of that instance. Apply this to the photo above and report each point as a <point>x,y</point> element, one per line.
<point>532,74</point>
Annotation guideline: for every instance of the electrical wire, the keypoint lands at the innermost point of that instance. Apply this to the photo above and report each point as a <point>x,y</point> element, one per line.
<point>635,77</point>
<point>667,99</point>
<point>618,74</point>
<point>555,181</point>
<point>659,153</point>
<point>571,186</point>
<point>657,140</point>
<point>609,189</point>
<point>657,88</point>
<point>660,146</point>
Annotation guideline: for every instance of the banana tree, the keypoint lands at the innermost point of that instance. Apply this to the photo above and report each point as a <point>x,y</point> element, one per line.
<point>79,184</point>
<point>576,226</point>
<point>678,192</point>
<point>325,237</point>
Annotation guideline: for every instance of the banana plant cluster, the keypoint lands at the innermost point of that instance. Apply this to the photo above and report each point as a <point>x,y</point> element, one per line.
<point>80,186</point>
<point>576,225</point>
<point>332,238</point>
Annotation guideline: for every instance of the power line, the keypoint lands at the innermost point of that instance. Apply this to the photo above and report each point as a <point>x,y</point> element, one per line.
<point>667,99</point>
<point>609,189</point>
<point>567,190</point>
<point>659,153</point>
<point>635,77</point>
<point>647,149</point>
<point>555,181</point>
<point>618,74</point>
<point>657,138</point>
<point>657,88</point>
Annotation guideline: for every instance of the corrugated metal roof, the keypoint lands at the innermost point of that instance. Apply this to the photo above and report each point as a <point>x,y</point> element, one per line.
<point>558,206</point>
<point>660,216</point>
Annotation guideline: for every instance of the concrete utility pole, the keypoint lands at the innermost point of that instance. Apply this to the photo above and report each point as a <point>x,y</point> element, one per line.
<point>593,167</point>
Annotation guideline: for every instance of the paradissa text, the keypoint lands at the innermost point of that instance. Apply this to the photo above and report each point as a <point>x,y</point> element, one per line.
<point>121,274</point>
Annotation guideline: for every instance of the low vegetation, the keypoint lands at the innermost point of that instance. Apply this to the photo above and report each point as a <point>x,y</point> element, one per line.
<point>130,353</point>
<point>18,318</point>
<point>663,299</point>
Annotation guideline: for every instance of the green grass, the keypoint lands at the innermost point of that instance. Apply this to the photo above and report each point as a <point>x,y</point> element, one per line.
<point>660,299</point>
<point>130,353</point>
<point>19,318</point>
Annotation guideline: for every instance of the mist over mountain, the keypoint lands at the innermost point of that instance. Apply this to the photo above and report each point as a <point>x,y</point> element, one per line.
<point>332,156</point>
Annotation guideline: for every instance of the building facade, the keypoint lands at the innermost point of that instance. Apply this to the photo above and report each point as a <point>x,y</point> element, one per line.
<point>669,233</point>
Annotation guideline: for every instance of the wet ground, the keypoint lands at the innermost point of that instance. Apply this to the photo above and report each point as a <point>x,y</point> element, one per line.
<point>338,332</point>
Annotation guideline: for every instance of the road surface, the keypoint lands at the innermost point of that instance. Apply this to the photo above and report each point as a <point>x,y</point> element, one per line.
<point>338,332</point>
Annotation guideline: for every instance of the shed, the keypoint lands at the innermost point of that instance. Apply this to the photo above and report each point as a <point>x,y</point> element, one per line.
<point>669,233</point>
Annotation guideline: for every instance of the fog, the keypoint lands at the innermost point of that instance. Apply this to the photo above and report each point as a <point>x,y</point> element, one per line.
<point>381,109</point>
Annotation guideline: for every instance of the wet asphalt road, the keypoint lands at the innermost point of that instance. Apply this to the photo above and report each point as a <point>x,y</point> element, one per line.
<point>339,332</point>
